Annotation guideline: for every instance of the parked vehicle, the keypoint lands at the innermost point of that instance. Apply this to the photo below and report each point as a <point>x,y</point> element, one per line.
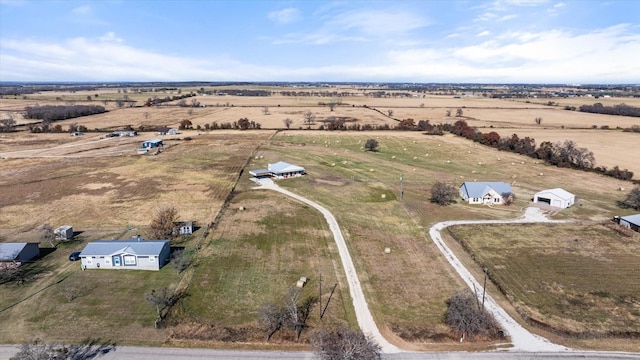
<point>75,256</point>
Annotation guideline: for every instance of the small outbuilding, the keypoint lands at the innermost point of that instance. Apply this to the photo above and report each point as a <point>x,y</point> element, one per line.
<point>557,197</point>
<point>19,252</point>
<point>64,232</point>
<point>631,222</point>
<point>153,143</point>
<point>185,227</point>
<point>131,254</point>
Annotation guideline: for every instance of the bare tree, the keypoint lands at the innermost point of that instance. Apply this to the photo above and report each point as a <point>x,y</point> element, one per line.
<point>146,114</point>
<point>371,145</point>
<point>508,198</point>
<point>162,299</point>
<point>272,318</point>
<point>633,199</point>
<point>6,125</point>
<point>195,102</point>
<point>448,113</point>
<point>459,112</point>
<point>297,314</point>
<point>120,103</point>
<point>163,225</point>
<point>265,110</point>
<point>344,343</point>
<point>182,259</point>
<point>466,316</point>
<point>309,117</point>
<point>46,233</point>
<point>72,291</point>
<point>287,122</point>
<point>332,104</point>
<point>443,193</point>
<point>390,112</point>
<point>538,120</point>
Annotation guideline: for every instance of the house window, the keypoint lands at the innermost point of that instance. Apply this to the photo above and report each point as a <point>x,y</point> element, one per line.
<point>496,200</point>
<point>129,260</point>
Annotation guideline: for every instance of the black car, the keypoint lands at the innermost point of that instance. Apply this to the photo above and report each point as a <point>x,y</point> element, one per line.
<point>74,256</point>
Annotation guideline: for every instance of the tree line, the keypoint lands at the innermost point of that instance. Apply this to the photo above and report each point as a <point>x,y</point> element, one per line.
<point>561,154</point>
<point>620,109</point>
<point>61,112</point>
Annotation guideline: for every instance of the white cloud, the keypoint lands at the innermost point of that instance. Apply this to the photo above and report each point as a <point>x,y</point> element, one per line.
<point>483,33</point>
<point>82,10</point>
<point>110,37</point>
<point>285,16</point>
<point>508,17</point>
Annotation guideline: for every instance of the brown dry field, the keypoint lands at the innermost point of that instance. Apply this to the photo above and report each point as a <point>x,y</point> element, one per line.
<point>501,115</point>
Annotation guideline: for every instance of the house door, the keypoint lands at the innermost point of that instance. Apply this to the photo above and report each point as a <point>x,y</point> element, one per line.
<point>116,261</point>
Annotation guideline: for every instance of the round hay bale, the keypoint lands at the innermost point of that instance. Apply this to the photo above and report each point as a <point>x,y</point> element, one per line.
<point>541,174</point>
<point>261,157</point>
<point>499,159</point>
<point>414,169</point>
<point>370,170</point>
<point>387,250</point>
<point>415,158</point>
<point>448,161</point>
<point>469,152</point>
<point>479,163</point>
<point>405,149</point>
<point>621,189</point>
<point>242,208</point>
<point>333,164</point>
<point>473,171</point>
<point>383,196</point>
<point>427,155</point>
<point>393,157</point>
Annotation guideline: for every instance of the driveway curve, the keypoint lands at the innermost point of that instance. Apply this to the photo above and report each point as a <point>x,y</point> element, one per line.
<point>363,315</point>
<point>521,338</point>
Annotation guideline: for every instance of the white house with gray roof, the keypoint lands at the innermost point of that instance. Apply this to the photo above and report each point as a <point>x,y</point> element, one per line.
<point>131,254</point>
<point>487,193</point>
<point>631,222</point>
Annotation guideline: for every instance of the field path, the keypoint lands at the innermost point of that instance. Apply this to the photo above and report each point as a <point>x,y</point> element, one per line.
<point>521,338</point>
<point>363,315</point>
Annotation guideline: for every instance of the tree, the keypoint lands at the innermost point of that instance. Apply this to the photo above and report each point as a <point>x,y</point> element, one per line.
<point>332,104</point>
<point>243,124</point>
<point>297,314</point>
<point>146,115</point>
<point>163,225</point>
<point>390,112</point>
<point>538,120</point>
<point>271,318</point>
<point>6,125</point>
<point>459,112</point>
<point>465,315</point>
<point>508,198</point>
<point>371,145</point>
<point>309,117</point>
<point>46,233</point>
<point>633,199</point>
<point>195,102</point>
<point>186,124</point>
<point>287,122</point>
<point>448,113</point>
<point>443,193</point>
<point>120,103</point>
<point>344,343</point>
<point>162,300</point>
<point>265,110</point>
<point>182,259</point>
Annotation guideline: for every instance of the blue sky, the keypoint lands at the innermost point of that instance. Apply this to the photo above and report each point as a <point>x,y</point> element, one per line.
<point>502,41</point>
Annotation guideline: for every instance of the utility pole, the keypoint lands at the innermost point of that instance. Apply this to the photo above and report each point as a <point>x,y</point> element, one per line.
<point>484,287</point>
<point>320,294</point>
<point>401,189</point>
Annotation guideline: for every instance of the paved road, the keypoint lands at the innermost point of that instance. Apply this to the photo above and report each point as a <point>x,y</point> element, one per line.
<point>147,353</point>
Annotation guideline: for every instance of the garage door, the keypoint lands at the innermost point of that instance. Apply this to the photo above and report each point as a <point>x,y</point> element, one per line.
<point>557,203</point>
<point>544,200</point>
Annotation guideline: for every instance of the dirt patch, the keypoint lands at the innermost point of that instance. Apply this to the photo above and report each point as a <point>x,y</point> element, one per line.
<point>330,181</point>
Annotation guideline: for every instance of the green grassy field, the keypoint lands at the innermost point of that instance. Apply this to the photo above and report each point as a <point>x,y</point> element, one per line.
<point>252,256</point>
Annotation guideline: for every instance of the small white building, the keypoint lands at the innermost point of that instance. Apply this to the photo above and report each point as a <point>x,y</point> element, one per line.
<point>185,227</point>
<point>64,232</point>
<point>557,197</point>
